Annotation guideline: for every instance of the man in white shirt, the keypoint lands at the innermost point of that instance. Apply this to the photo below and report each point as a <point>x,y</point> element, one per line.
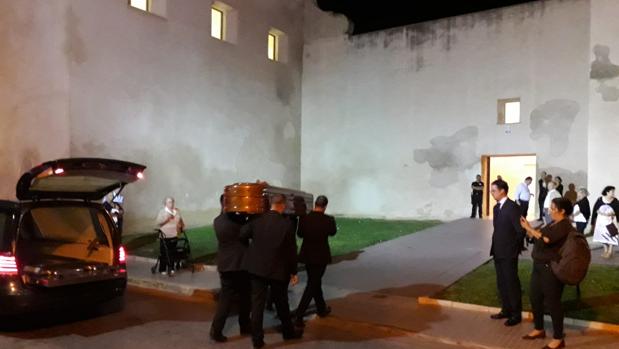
<point>523,196</point>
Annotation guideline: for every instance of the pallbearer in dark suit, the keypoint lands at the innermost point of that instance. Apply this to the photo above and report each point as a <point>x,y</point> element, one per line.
<point>507,243</point>
<point>315,230</point>
<point>271,260</point>
<point>234,278</point>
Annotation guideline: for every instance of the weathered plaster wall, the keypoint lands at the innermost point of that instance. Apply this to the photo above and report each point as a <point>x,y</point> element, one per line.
<point>394,122</point>
<point>201,113</point>
<point>33,88</point>
<point>603,97</point>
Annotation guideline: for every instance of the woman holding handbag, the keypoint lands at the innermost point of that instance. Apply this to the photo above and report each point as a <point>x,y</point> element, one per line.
<point>546,288</point>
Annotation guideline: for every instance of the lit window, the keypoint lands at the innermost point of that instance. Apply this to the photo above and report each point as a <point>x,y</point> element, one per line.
<point>217,23</point>
<point>140,4</point>
<point>509,111</point>
<point>156,7</point>
<point>512,112</point>
<point>224,22</point>
<point>272,47</point>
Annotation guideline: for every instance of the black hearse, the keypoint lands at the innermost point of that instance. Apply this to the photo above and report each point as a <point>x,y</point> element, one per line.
<point>59,247</point>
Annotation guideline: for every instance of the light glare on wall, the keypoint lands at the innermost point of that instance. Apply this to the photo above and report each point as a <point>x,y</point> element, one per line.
<point>139,4</point>
<point>217,24</point>
<point>512,112</point>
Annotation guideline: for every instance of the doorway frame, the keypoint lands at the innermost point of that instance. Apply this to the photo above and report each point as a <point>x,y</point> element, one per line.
<point>485,175</point>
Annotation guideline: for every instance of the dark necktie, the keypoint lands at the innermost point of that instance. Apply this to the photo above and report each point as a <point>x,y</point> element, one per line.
<point>497,209</point>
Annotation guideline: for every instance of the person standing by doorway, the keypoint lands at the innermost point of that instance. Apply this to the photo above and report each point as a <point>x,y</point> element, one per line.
<point>315,230</point>
<point>477,196</point>
<point>542,191</point>
<point>559,182</point>
<point>523,196</point>
<point>507,241</point>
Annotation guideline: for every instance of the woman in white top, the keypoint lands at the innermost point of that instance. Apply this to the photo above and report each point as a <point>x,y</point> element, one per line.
<point>604,214</point>
<point>170,222</point>
<point>552,194</point>
<point>582,210</point>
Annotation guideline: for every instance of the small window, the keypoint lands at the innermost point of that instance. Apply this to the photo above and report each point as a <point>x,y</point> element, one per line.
<point>140,4</point>
<point>272,51</point>
<point>217,24</point>
<point>277,46</point>
<point>157,7</point>
<point>509,111</point>
<point>224,22</point>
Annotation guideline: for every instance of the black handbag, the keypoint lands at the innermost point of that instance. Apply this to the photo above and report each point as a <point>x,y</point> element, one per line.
<point>612,230</point>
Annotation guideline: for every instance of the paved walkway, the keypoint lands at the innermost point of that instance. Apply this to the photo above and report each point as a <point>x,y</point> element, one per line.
<point>380,286</point>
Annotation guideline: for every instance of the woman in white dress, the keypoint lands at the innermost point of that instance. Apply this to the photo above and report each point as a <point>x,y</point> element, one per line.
<point>605,213</point>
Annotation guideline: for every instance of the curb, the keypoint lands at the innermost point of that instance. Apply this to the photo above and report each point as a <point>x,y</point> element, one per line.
<point>140,259</point>
<point>172,288</point>
<point>592,325</point>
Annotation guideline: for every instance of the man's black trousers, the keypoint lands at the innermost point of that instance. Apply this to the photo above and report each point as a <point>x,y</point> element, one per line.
<point>508,284</point>
<point>524,208</point>
<point>313,290</point>
<point>279,292</point>
<point>235,290</point>
<point>476,202</point>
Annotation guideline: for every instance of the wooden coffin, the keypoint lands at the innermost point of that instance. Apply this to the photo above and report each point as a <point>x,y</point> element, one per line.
<point>253,198</point>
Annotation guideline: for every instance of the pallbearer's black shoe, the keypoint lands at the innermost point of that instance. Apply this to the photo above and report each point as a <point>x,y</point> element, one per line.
<point>295,334</point>
<point>218,337</point>
<point>245,330</point>
<point>325,312</point>
<point>513,321</point>
<point>499,316</point>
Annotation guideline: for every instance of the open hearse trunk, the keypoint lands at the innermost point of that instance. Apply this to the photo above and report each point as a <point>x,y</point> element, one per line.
<point>61,244</point>
<point>64,238</point>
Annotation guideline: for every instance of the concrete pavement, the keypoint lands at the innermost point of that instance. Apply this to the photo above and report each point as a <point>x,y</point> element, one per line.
<point>373,296</point>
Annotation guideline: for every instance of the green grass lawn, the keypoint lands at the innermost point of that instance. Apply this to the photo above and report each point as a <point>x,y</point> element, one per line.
<point>599,300</point>
<point>353,235</point>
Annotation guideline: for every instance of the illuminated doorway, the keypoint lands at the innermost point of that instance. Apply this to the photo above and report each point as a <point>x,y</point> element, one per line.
<point>513,169</point>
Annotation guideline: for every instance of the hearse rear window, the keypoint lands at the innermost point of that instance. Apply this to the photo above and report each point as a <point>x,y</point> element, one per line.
<point>67,224</point>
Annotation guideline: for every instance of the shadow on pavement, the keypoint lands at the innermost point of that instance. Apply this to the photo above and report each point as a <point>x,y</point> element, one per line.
<point>140,307</point>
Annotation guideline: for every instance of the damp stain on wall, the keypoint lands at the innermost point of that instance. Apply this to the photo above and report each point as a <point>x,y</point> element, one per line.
<point>553,121</point>
<point>578,178</point>
<point>74,47</point>
<point>448,156</point>
<point>605,73</point>
<point>444,32</point>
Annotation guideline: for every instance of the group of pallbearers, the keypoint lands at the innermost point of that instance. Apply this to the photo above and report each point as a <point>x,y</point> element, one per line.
<point>560,255</point>
<point>258,255</point>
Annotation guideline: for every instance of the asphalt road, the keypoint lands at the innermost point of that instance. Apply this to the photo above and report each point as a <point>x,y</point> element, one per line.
<point>152,320</point>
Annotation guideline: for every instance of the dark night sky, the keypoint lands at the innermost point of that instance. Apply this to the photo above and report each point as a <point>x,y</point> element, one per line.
<point>369,16</point>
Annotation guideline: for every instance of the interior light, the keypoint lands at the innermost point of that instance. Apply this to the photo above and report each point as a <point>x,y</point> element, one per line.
<point>59,171</point>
